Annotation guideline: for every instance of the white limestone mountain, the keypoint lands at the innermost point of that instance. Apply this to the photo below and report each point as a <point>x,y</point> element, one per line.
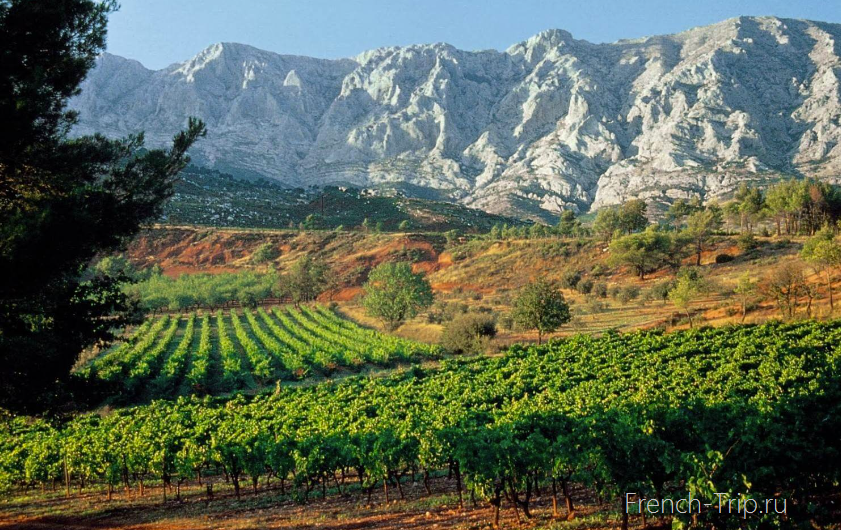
<point>550,123</point>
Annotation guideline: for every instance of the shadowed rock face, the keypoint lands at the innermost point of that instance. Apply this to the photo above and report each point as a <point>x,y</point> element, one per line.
<point>550,123</point>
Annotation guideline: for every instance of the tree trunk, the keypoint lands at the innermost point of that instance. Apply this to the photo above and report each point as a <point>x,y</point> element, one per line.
<point>397,477</point>
<point>66,477</point>
<point>568,499</point>
<point>512,496</point>
<point>457,470</point>
<point>554,497</point>
<point>496,501</point>
<point>829,288</point>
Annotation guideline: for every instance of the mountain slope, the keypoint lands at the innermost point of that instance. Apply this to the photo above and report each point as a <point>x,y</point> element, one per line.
<point>551,123</point>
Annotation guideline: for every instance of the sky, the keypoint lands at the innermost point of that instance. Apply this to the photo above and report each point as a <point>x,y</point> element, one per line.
<point>161,32</point>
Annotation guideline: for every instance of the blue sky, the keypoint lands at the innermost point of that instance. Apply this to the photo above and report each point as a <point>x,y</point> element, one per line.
<point>161,32</point>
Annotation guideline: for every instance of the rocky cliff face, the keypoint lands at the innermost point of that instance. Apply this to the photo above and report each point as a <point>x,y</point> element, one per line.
<point>550,123</point>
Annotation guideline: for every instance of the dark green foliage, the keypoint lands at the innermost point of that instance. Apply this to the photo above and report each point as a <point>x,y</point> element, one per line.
<point>307,279</point>
<point>644,252</point>
<point>62,201</point>
<point>469,333</point>
<point>584,286</point>
<point>207,197</point>
<point>570,278</point>
<point>393,293</point>
<point>644,412</point>
<point>541,306</point>
<point>628,293</point>
<point>660,290</point>
<point>568,225</point>
<point>442,312</point>
<point>747,242</point>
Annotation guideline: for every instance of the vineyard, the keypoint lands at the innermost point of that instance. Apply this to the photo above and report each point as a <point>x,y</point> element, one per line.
<point>751,411</point>
<point>243,349</point>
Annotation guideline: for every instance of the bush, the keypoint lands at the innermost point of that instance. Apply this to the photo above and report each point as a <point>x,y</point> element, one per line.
<point>469,333</point>
<point>263,253</point>
<point>584,286</point>
<point>660,290</point>
<point>723,258</point>
<point>443,312</point>
<point>747,242</point>
<point>570,278</point>
<point>506,322</point>
<point>595,305</point>
<point>614,291</point>
<point>598,270</point>
<point>600,290</point>
<point>628,293</point>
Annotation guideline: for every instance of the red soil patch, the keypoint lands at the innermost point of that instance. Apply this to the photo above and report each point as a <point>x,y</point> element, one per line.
<point>347,294</point>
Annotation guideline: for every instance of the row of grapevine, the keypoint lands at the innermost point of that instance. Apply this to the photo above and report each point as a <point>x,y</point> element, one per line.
<point>232,365</point>
<point>252,349</point>
<point>198,377</point>
<point>324,355</point>
<point>151,359</point>
<point>749,411</point>
<point>261,363</point>
<point>291,353</point>
<point>111,367</point>
<point>176,364</point>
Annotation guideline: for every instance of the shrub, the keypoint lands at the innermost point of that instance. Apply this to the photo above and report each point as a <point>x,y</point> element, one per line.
<point>660,290</point>
<point>469,333</point>
<point>628,293</point>
<point>443,312</point>
<point>506,322</point>
<point>600,290</point>
<point>598,270</point>
<point>263,253</point>
<point>570,278</point>
<point>747,242</point>
<point>723,258</point>
<point>584,286</point>
<point>614,291</point>
<point>595,305</point>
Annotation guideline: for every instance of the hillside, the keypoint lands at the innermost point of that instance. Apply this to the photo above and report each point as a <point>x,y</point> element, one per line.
<point>551,123</point>
<point>211,198</point>
<point>485,275</point>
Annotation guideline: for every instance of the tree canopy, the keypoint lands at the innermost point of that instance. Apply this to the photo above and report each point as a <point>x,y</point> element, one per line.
<point>63,200</point>
<point>541,306</point>
<point>393,293</point>
<point>644,251</point>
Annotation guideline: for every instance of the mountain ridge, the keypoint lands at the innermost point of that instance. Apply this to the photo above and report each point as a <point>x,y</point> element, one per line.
<point>550,123</point>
